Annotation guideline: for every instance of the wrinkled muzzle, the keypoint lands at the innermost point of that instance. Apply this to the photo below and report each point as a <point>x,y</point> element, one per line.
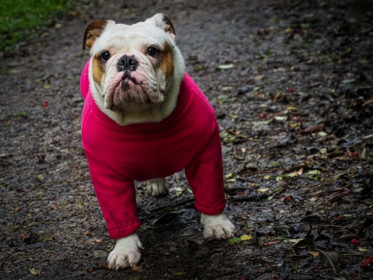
<point>131,85</point>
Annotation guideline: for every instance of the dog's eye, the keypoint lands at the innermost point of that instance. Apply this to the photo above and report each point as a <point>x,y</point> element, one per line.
<point>105,56</point>
<point>152,51</point>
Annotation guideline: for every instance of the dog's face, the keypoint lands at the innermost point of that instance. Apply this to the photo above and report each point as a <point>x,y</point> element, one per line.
<point>136,69</point>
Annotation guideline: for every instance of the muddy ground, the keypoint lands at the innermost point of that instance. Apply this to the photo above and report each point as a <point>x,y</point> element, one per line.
<point>292,85</point>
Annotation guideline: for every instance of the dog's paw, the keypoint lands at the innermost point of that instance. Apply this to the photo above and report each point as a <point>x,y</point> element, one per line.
<point>125,253</point>
<point>217,226</point>
<point>157,187</point>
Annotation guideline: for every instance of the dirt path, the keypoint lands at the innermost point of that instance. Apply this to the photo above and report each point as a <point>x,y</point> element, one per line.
<point>295,109</point>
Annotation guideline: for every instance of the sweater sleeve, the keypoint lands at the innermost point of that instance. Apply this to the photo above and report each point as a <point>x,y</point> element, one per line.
<point>205,175</point>
<point>117,198</point>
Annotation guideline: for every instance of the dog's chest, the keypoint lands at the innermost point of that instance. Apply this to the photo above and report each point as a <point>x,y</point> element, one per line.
<point>150,150</point>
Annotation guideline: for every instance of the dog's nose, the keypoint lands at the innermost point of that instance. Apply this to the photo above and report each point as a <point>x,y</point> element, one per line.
<point>127,63</point>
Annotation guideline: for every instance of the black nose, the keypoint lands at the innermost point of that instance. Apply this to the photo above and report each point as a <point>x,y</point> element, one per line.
<point>127,63</point>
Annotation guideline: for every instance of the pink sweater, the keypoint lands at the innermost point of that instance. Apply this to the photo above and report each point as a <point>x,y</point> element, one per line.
<point>117,155</point>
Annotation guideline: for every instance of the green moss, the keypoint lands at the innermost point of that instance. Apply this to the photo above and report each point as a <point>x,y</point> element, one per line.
<point>20,18</point>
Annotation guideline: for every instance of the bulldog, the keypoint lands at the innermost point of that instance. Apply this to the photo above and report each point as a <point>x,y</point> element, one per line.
<point>143,119</point>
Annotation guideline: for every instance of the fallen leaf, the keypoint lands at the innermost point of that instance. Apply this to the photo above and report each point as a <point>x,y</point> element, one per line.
<point>227,137</point>
<point>270,243</point>
<point>263,190</point>
<point>281,118</point>
<point>15,71</point>
<point>279,178</point>
<point>331,258</point>
<point>226,88</point>
<point>225,66</point>
<point>222,98</point>
<point>234,240</point>
<point>315,254</point>
<point>138,268</point>
<point>314,128</point>
<point>96,240</point>
<point>104,265</point>
<point>278,95</point>
<point>322,134</point>
<point>246,237</point>
<point>288,30</point>
<point>301,242</point>
<point>361,249</point>
<point>263,31</point>
<point>348,81</point>
<point>281,238</point>
<point>274,164</point>
<point>291,108</point>
<point>295,173</point>
<point>314,174</point>
<point>20,114</point>
<point>34,271</point>
<point>368,103</point>
<point>242,238</point>
<point>364,153</point>
<point>259,78</point>
<point>178,191</point>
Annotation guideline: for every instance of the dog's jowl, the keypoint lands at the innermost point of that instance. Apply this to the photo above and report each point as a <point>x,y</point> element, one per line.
<point>144,118</point>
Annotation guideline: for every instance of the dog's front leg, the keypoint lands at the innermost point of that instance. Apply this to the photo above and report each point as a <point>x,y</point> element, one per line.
<point>217,226</point>
<point>126,252</point>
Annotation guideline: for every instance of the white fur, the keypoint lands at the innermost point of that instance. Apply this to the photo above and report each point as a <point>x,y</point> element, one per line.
<point>157,187</point>
<point>133,40</point>
<point>217,227</point>
<point>125,253</point>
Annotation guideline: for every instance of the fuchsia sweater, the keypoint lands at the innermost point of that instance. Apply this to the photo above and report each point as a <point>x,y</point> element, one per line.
<point>117,155</point>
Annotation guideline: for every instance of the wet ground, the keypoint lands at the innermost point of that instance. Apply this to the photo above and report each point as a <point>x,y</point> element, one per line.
<point>291,82</point>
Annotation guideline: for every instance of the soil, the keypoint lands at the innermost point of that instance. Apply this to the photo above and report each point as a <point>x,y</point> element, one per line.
<point>291,82</point>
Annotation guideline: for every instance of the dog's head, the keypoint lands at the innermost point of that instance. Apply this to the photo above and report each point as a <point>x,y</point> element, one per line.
<point>136,70</point>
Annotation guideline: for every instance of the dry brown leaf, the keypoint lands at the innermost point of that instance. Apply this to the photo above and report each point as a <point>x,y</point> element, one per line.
<point>314,128</point>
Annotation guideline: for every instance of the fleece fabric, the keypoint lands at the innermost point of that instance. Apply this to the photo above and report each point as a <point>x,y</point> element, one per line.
<point>119,155</point>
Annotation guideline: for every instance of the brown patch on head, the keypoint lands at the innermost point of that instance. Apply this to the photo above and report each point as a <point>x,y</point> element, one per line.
<point>92,32</point>
<point>169,27</point>
<point>167,61</point>
<point>97,69</point>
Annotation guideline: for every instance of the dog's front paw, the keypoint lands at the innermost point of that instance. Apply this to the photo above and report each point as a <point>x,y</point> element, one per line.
<point>157,187</point>
<point>217,226</point>
<point>125,253</point>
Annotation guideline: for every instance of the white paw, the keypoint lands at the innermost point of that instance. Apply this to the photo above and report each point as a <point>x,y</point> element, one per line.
<point>125,253</point>
<point>217,226</point>
<point>157,187</point>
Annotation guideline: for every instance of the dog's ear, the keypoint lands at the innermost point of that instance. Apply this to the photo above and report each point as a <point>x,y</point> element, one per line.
<point>92,32</point>
<point>163,22</point>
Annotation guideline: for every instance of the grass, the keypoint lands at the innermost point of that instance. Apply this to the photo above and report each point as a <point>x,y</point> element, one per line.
<point>19,19</point>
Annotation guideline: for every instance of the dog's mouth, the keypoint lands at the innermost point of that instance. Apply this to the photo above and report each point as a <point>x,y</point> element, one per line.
<point>128,91</point>
<point>126,80</point>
